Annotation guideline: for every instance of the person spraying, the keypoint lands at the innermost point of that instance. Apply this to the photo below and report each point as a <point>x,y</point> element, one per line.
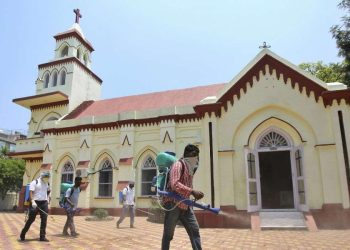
<point>39,190</point>
<point>71,204</point>
<point>180,182</point>
<point>128,204</point>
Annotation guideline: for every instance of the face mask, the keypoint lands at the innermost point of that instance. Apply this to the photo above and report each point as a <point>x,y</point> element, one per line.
<point>192,163</point>
<point>45,180</point>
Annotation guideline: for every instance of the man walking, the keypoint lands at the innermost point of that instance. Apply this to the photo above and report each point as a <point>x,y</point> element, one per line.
<point>38,193</point>
<point>180,181</point>
<point>71,204</point>
<point>128,204</point>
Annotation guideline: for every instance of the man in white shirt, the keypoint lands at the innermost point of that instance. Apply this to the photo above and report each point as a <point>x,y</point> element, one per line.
<point>39,190</point>
<point>128,204</point>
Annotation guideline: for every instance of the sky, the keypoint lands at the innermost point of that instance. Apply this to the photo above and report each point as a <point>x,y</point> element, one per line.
<point>156,45</point>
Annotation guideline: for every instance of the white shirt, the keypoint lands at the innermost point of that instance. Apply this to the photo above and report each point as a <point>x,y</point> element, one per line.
<point>129,195</point>
<point>39,190</point>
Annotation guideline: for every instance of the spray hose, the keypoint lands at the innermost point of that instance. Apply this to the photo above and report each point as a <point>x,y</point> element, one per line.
<point>188,202</point>
<point>26,216</point>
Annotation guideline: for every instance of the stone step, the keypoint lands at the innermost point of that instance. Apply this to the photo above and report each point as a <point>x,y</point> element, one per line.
<point>282,220</point>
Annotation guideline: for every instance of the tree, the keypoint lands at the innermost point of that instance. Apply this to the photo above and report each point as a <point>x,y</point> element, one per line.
<point>11,175</point>
<point>333,72</point>
<point>3,152</point>
<point>341,33</point>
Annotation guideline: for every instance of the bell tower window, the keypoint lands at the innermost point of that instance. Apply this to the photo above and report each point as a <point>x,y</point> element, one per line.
<point>78,54</point>
<point>54,79</point>
<point>46,80</point>
<point>64,51</point>
<point>86,59</point>
<point>63,77</point>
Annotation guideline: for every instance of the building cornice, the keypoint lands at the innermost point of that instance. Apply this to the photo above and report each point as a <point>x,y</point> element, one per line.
<point>71,60</point>
<point>49,105</point>
<point>75,34</point>
<point>42,100</point>
<point>338,95</point>
<point>118,124</point>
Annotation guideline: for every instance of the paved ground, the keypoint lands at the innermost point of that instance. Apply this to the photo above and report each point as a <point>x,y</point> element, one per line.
<point>146,235</point>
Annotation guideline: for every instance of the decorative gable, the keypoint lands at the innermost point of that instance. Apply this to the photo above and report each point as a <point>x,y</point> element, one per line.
<point>283,71</point>
<point>267,62</point>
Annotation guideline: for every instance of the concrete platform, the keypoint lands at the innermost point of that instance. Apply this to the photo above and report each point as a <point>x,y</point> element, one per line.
<point>146,235</point>
<point>282,220</point>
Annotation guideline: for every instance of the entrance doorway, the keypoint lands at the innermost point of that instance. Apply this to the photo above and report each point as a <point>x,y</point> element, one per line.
<point>276,180</point>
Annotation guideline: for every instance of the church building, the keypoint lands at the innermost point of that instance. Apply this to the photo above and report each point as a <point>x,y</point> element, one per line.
<point>273,139</point>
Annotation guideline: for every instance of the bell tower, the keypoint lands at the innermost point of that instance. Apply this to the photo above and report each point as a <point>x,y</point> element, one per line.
<point>64,82</point>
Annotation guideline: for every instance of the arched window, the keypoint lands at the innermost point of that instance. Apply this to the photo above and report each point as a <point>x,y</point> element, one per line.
<point>46,80</point>
<point>63,77</point>
<point>78,54</point>
<point>67,173</point>
<point>148,171</point>
<point>86,59</point>
<point>54,79</point>
<point>105,182</point>
<point>64,51</point>
<point>273,140</point>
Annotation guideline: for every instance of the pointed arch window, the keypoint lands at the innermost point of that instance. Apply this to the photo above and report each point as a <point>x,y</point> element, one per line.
<point>63,77</point>
<point>67,173</point>
<point>78,54</point>
<point>46,80</point>
<point>54,79</point>
<point>148,171</point>
<point>64,51</point>
<point>105,182</point>
<point>273,140</point>
<point>86,59</point>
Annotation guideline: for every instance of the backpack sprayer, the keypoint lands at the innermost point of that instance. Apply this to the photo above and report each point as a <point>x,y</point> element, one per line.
<point>164,161</point>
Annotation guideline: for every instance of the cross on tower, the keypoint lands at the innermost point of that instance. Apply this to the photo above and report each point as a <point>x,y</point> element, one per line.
<point>77,15</point>
<point>264,46</point>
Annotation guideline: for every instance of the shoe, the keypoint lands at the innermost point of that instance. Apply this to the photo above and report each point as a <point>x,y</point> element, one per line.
<point>22,237</point>
<point>74,234</point>
<point>44,239</point>
<point>65,233</point>
<point>118,224</point>
<point>132,226</point>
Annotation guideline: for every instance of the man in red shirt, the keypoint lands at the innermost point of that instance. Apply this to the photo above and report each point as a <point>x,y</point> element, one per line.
<point>180,181</point>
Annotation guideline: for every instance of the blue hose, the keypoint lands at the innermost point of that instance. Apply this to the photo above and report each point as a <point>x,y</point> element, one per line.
<point>189,202</point>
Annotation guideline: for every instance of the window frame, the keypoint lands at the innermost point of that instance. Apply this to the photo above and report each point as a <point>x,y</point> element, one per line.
<point>104,170</point>
<point>66,172</point>
<point>63,74</point>
<point>64,51</point>
<point>54,78</point>
<point>46,80</point>
<point>145,168</point>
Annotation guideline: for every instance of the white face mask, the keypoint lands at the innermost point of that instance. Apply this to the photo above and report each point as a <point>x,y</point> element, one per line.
<point>192,163</point>
<point>45,180</point>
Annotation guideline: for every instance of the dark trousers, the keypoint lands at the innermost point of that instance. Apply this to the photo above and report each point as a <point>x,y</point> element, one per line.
<point>188,220</point>
<point>43,205</point>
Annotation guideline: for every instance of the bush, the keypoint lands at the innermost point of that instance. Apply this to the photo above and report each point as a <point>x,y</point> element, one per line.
<point>100,213</point>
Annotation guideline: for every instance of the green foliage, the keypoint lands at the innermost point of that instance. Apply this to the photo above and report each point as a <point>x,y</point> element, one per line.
<point>333,72</point>
<point>11,175</point>
<point>3,152</point>
<point>100,213</point>
<point>341,33</point>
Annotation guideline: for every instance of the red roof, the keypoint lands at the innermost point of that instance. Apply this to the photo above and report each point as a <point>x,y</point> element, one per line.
<point>156,100</point>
